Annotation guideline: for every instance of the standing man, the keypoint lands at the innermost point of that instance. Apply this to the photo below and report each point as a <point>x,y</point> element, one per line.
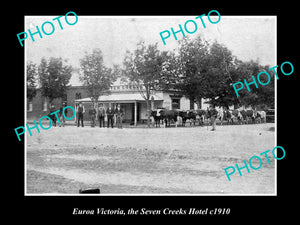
<point>61,117</point>
<point>101,115</point>
<point>80,111</point>
<point>93,113</point>
<point>110,116</point>
<point>53,117</point>
<point>213,116</point>
<point>76,113</point>
<point>119,115</point>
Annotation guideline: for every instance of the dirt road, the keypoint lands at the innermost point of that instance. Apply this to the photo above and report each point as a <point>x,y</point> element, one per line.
<point>187,160</point>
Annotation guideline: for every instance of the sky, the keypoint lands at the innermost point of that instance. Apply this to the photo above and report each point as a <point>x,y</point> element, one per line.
<point>248,37</point>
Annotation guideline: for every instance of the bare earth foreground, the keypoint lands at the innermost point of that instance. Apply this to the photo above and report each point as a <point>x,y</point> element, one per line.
<point>187,160</point>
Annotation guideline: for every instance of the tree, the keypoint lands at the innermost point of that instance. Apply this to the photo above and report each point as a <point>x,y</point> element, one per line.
<point>221,74</point>
<point>194,67</point>
<point>144,67</point>
<point>261,96</point>
<point>188,71</point>
<point>54,77</point>
<point>202,70</point>
<point>31,80</point>
<point>95,75</point>
<point>266,93</point>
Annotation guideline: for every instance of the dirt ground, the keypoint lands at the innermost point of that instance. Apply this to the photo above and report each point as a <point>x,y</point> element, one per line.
<point>183,160</point>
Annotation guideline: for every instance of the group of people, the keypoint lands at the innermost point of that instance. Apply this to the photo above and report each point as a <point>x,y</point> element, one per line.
<point>99,113</point>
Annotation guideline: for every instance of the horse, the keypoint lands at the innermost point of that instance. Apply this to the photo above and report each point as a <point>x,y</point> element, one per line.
<point>250,115</point>
<point>157,117</point>
<point>169,116</point>
<point>225,115</point>
<point>243,116</point>
<point>237,116</point>
<point>263,116</point>
<point>188,115</point>
<point>259,116</point>
<point>201,115</point>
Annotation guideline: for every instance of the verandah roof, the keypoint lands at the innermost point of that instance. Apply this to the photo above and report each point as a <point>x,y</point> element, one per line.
<point>132,97</point>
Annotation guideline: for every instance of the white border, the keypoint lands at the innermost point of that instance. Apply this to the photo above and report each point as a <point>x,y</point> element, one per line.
<point>99,195</point>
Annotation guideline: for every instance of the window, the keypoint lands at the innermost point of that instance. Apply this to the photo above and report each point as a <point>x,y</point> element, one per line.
<point>78,95</point>
<point>29,107</point>
<point>175,103</point>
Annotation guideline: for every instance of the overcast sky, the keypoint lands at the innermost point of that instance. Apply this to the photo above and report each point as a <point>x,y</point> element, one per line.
<point>249,38</point>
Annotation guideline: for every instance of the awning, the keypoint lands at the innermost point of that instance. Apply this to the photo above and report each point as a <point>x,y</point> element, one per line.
<point>127,97</point>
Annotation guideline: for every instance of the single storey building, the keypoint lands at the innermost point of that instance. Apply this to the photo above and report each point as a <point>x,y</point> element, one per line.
<point>128,95</point>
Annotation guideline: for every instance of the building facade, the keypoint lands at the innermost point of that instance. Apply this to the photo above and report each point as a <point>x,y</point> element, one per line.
<point>129,97</point>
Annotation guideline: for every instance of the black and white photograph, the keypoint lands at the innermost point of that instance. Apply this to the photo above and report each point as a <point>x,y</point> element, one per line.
<point>151,105</point>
